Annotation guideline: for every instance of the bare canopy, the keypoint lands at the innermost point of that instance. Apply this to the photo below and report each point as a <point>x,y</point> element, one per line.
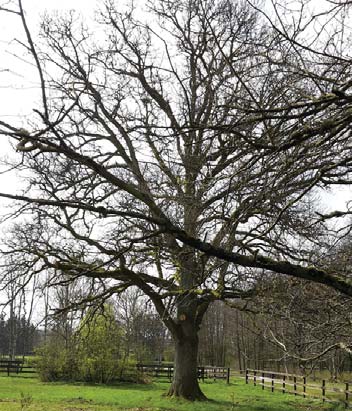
<point>184,156</point>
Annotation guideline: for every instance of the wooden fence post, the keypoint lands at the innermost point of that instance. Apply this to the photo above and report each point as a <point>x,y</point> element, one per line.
<point>284,384</point>
<point>246,376</point>
<point>169,372</point>
<point>263,381</point>
<point>255,378</point>
<point>323,390</point>
<point>228,376</point>
<point>346,394</point>
<point>272,382</point>
<point>295,385</point>
<point>304,386</point>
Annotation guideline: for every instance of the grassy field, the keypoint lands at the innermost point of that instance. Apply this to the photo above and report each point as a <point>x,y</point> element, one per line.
<point>29,394</point>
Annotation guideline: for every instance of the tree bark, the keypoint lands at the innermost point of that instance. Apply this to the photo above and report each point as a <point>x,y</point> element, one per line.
<point>185,381</point>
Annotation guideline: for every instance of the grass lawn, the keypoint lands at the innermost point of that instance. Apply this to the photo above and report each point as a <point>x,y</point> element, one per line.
<point>29,394</point>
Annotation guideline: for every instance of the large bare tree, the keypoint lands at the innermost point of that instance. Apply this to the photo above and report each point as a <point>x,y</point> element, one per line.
<point>181,150</point>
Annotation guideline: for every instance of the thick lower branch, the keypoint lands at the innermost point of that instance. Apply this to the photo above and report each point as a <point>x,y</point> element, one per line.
<point>281,267</point>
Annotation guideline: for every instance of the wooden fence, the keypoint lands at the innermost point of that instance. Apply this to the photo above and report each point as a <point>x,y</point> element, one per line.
<point>167,370</point>
<point>15,367</point>
<point>298,385</point>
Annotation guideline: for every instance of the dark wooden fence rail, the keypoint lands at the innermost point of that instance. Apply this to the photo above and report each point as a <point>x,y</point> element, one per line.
<point>298,385</point>
<point>11,366</point>
<point>167,370</point>
<point>156,370</point>
<point>15,367</point>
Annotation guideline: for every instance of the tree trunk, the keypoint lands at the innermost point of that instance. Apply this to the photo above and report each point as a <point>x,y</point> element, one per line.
<point>189,317</point>
<point>185,381</point>
<point>12,333</point>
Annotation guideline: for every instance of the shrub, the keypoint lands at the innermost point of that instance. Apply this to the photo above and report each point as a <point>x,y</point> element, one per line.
<point>56,362</point>
<point>99,341</point>
<point>92,354</point>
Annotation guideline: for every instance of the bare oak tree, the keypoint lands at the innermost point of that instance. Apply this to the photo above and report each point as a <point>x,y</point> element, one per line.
<point>180,150</point>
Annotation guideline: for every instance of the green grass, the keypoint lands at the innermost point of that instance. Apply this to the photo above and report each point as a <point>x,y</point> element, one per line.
<point>29,394</point>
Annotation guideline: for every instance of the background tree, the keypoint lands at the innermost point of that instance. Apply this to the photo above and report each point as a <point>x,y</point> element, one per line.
<point>182,156</point>
<point>19,334</point>
<point>26,336</point>
<point>146,338</point>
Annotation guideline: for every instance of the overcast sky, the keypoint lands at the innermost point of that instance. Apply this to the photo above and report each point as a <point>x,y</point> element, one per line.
<point>19,86</point>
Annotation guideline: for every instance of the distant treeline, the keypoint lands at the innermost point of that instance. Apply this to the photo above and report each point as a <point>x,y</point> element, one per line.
<point>285,324</point>
<point>17,336</point>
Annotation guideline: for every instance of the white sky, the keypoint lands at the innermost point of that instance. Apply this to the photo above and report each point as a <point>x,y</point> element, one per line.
<point>19,85</point>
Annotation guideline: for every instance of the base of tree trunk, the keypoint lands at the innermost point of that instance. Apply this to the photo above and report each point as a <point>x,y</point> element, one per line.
<point>191,393</point>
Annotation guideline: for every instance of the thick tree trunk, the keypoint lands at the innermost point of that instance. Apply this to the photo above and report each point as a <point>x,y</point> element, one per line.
<point>185,382</point>
<point>189,317</point>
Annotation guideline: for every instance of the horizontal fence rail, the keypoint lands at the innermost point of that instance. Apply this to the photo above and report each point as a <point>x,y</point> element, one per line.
<point>15,367</point>
<point>298,385</point>
<point>204,372</point>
